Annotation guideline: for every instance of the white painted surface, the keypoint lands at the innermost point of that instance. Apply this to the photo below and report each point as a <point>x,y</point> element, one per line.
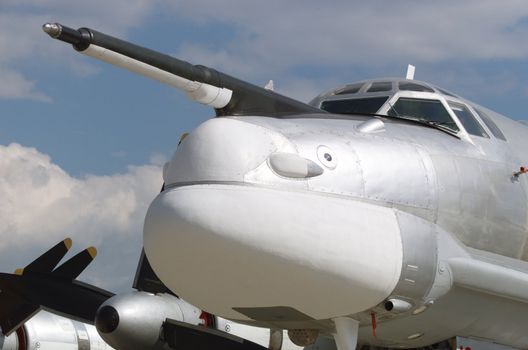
<point>371,126</point>
<point>262,248</point>
<point>203,93</point>
<point>51,345</point>
<point>294,166</point>
<point>257,335</point>
<point>223,149</point>
<point>9,343</point>
<point>346,336</point>
<point>410,72</point>
<point>47,331</point>
<point>490,278</point>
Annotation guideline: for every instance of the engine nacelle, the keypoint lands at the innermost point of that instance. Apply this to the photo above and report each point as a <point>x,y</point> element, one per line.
<point>134,320</point>
<point>47,331</point>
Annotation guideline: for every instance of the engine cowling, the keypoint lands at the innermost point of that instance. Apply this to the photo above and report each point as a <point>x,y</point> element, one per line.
<point>49,331</point>
<point>134,320</point>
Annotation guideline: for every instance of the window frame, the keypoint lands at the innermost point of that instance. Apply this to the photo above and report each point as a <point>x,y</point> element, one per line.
<point>437,96</point>
<point>478,114</point>
<point>361,97</point>
<point>472,113</point>
<point>462,133</point>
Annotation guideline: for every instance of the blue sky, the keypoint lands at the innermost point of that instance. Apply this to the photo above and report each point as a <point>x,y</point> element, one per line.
<point>93,136</point>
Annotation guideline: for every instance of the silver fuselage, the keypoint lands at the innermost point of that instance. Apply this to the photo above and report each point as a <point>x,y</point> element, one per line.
<point>391,209</point>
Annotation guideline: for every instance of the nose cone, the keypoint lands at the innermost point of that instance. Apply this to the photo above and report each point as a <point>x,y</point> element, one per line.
<point>107,319</point>
<point>134,320</point>
<point>245,252</point>
<point>264,253</point>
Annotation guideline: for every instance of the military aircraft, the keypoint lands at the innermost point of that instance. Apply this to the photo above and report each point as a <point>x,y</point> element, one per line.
<point>386,213</point>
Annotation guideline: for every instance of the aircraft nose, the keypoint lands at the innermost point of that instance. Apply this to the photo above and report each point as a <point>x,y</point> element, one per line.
<point>254,253</point>
<point>258,252</point>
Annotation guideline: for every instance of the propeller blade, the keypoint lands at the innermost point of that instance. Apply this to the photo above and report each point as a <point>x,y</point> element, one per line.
<point>72,268</point>
<point>37,286</point>
<point>47,261</point>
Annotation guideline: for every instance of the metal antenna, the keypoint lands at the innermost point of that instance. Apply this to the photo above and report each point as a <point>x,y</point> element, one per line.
<point>410,72</point>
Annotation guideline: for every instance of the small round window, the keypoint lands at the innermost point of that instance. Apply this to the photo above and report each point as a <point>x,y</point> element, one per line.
<point>327,157</point>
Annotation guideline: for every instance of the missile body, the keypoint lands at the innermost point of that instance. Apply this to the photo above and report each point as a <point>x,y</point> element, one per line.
<point>228,95</point>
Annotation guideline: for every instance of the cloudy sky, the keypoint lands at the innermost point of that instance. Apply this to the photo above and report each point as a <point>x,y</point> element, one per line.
<point>81,143</point>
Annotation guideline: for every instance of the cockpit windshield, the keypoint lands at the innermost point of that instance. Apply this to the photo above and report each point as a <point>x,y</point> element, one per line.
<point>425,110</point>
<point>411,100</point>
<point>368,105</point>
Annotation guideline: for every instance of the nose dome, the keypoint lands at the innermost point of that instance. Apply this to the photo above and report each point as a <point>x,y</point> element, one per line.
<point>223,149</point>
<point>133,320</point>
<point>261,252</point>
<point>253,253</point>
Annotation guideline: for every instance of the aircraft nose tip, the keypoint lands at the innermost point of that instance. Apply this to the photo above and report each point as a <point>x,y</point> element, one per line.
<point>53,29</point>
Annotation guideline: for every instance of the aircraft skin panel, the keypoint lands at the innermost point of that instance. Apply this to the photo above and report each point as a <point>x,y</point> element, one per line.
<point>515,134</point>
<point>480,212</point>
<point>462,311</point>
<point>497,259</point>
<point>478,295</point>
<point>489,278</point>
<point>420,258</point>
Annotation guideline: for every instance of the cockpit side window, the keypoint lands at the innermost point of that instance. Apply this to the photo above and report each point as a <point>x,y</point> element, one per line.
<point>411,86</point>
<point>349,89</point>
<point>354,105</point>
<point>380,86</point>
<point>467,119</point>
<point>424,109</point>
<point>491,125</point>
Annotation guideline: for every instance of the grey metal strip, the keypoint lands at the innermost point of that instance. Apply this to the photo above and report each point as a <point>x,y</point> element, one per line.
<point>83,338</point>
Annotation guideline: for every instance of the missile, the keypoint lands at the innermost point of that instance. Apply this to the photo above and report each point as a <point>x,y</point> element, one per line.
<point>226,94</point>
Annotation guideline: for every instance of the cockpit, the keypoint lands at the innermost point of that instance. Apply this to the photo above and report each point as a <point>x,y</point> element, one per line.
<point>411,100</point>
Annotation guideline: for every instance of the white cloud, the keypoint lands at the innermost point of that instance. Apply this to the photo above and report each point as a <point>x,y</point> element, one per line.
<point>281,35</point>
<point>470,83</point>
<point>41,204</point>
<point>14,85</point>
